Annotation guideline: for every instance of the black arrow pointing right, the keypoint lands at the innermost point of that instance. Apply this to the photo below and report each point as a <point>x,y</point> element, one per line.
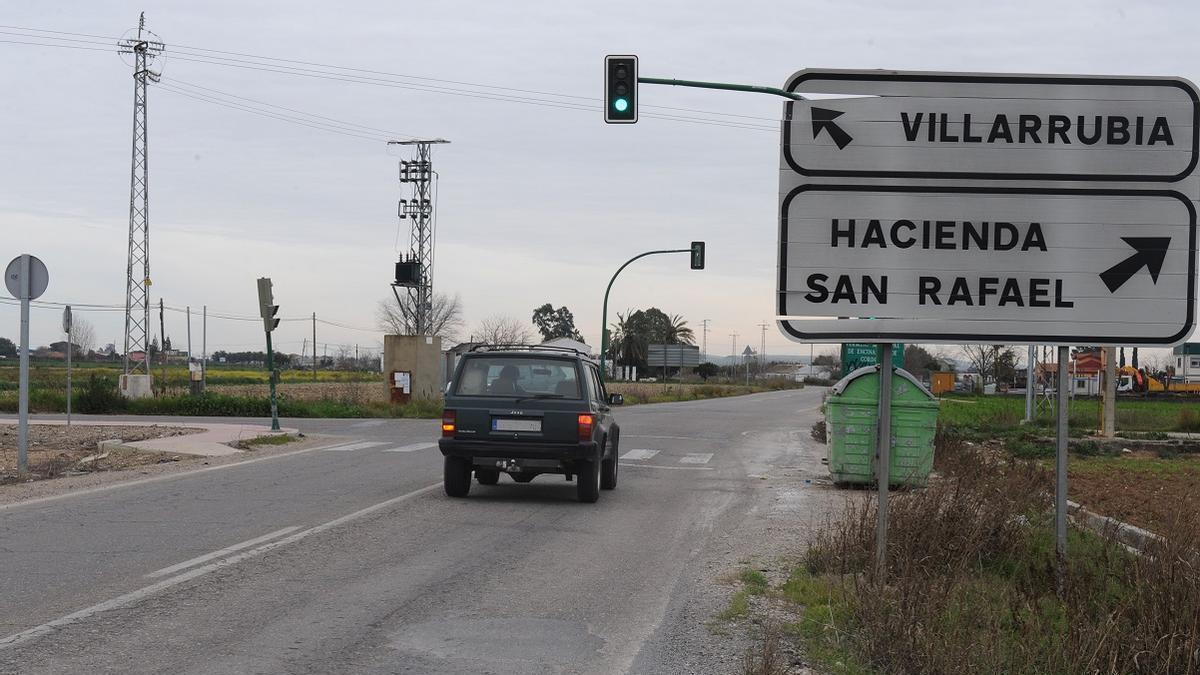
<point>822,118</point>
<point>1151,251</point>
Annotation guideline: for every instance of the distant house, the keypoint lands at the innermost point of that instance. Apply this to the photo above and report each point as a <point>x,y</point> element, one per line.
<point>1084,371</point>
<point>569,343</point>
<point>1187,361</point>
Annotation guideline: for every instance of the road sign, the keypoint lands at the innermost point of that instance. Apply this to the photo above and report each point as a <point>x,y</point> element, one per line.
<point>39,277</point>
<point>858,355</point>
<point>1004,264</point>
<point>679,356</point>
<point>67,321</point>
<point>991,126</point>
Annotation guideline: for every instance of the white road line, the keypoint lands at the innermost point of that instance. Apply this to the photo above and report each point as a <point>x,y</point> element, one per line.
<point>411,448</point>
<point>154,479</point>
<point>134,597</point>
<point>368,423</point>
<point>696,458</point>
<point>663,466</point>
<point>361,445</point>
<point>217,554</point>
<point>639,454</point>
<point>673,438</point>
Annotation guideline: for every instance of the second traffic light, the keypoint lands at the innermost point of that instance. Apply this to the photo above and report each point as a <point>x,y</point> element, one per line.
<point>267,308</point>
<point>620,89</point>
<point>697,255</point>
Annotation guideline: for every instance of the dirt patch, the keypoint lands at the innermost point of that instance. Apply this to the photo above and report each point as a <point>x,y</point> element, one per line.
<point>56,450</point>
<point>1139,489</point>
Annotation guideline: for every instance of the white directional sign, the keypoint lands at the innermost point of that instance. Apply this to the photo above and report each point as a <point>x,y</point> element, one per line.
<point>1001,264</point>
<point>991,127</point>
<point>968,207</point>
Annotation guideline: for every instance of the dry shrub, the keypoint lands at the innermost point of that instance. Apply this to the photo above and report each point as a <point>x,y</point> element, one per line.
<point>970,583</point>
<point>767,656</point>
<point>1152,624</point>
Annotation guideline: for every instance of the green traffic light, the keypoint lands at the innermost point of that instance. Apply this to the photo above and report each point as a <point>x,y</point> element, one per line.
<point>621,104</point>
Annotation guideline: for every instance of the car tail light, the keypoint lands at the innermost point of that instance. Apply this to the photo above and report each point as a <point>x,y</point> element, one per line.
<point>585,427</point>
<point>449,419</point>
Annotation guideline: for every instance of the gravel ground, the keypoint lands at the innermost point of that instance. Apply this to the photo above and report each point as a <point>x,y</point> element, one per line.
<point>793,496</point>
<point>12,493</point>
<point>56,450</point>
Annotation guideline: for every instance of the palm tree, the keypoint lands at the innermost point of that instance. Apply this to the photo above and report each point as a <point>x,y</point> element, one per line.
<point>627,346</point>
<point>677,331</point>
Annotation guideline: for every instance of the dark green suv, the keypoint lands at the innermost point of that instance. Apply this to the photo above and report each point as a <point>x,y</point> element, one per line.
<point>526,411</point>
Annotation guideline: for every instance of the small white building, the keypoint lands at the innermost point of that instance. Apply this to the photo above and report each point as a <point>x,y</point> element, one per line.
<point>569,343</point>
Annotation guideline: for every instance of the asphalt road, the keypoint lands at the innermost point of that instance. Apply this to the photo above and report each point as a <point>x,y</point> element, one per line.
<point>351,559</point>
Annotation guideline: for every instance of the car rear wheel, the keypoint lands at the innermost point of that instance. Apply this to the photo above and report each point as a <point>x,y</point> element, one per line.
<point>608,471</point>
<point>456,477</point>
<point>587,486</point>
<point>487,476</point>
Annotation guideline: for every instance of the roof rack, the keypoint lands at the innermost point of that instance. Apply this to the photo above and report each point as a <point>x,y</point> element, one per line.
<point>531,348</point>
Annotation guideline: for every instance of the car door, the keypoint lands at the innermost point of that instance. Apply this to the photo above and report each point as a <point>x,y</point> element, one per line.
<point>600,406</point>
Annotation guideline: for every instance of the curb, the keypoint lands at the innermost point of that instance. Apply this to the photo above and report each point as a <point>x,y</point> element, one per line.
<point>1130,535</point>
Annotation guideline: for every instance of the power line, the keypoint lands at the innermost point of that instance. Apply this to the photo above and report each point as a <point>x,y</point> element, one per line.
<point>264,113</point>
<point>260,57</point>
<point>389,133</point>
<point>347,74</point>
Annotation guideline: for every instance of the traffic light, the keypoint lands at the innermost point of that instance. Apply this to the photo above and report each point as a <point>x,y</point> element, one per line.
<point>620,89</point>
<point>697,255</point>
<point>267,308</point>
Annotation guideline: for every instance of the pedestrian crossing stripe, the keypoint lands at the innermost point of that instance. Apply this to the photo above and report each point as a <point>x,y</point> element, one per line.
<point>639,454</point>
<point>413,447</point>
<point>696,458</point>
<point>348,447</point>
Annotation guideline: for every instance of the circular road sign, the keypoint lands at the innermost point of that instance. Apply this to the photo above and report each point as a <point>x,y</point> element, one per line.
<point>39,277</point>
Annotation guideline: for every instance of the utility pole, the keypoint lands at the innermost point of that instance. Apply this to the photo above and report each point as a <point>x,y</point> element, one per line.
<point>733,355</point>
<point>420,207</point>
<point>162,347</point>
<point>204,351</point>
<point>704,340</point>
<point>762,352</point>
<point>314,346</point>
<point>144,47</point>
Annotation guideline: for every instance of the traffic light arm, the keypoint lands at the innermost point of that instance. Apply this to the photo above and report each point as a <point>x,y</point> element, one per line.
<point>604,312</point>
<point>774,91</point>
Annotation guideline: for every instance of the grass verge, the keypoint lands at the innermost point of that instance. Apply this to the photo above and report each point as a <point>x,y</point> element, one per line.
<point>266,441</point>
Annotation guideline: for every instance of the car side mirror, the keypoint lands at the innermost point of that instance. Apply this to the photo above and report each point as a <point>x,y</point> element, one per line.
<point>616,399</point>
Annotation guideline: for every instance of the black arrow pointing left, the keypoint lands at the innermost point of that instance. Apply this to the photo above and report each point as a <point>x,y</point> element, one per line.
<point>822,119</point>
<point>1151,251</point>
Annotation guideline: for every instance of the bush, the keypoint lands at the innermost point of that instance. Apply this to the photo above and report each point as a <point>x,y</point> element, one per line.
<point>1187,420</point>
<point>98,395</point>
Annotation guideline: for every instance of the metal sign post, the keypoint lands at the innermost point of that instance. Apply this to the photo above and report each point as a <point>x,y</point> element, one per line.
<point>70,348</point>
<point>1060,471</point>
<point>26,278</point>
<point>883,457</point>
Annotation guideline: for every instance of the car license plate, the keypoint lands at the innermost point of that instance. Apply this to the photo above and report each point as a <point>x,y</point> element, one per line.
<point>516,425</point>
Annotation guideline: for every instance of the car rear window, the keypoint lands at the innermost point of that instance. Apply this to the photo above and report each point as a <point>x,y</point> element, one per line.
<point>518,376</point>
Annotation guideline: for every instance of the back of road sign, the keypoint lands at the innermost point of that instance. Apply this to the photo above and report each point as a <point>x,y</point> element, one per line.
<point>39,277</point>
<point>956,208</point>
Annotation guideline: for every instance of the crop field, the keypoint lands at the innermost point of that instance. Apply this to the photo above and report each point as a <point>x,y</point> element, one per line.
<point>53,375</point>
<point>989,414</point>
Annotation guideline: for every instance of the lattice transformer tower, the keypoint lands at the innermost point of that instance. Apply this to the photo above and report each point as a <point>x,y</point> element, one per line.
<point>145,48</point>
<point>415,271</point>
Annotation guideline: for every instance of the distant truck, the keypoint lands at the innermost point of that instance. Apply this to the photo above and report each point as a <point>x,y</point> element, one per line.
<point>1132,380</point>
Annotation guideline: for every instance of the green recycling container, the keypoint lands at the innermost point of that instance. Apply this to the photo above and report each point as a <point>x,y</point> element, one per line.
<point>851,422</point>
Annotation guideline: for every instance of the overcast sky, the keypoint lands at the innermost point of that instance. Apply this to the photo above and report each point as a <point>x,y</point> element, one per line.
<point>537,203</point>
